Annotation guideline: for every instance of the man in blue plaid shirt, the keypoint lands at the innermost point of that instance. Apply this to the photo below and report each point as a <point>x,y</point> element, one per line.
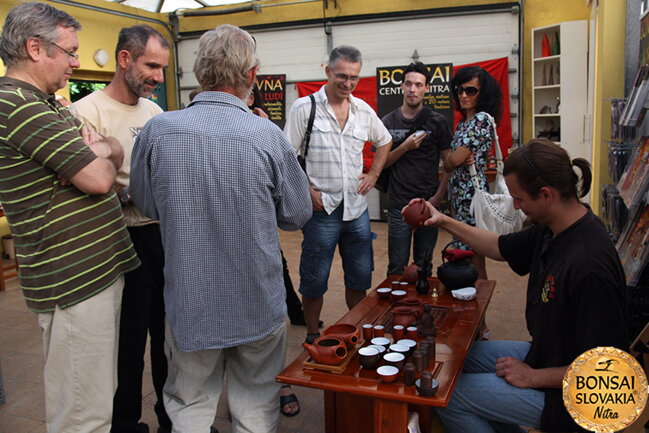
<point>221,180</point>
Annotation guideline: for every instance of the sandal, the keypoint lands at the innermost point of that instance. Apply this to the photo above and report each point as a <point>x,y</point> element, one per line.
<point>286,400</point>
<point>310,338</point>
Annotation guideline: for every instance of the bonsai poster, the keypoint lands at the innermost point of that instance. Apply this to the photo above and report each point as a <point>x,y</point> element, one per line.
<point>438,98</point>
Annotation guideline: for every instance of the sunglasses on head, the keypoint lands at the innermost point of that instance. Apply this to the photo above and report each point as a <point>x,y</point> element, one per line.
<point>469,90</point>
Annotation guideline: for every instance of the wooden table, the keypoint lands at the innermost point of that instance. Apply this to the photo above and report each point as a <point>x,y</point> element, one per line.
<point>355,401</point>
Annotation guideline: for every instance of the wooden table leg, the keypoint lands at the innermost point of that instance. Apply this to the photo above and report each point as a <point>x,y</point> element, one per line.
<point>330,413</point>
<point>347,413</point>
<point>390,416</point>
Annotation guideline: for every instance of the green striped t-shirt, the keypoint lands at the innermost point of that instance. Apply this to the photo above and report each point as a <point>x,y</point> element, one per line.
<point>70,245</point>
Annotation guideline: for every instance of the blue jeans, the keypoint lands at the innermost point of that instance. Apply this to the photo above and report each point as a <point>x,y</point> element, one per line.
<point>485,403</point>
<point>354,240</point>
<point>399,237</point>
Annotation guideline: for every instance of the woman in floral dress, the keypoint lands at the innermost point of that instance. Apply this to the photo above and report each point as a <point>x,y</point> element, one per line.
<point>475,93</point>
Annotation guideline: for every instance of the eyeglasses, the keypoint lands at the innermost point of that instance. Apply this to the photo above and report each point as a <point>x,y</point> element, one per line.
<point>72,56</point>
<point>343,77</point>
<point>469,90</point>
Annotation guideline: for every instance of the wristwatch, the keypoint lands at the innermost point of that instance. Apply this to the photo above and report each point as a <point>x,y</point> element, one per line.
<point>124,196</point>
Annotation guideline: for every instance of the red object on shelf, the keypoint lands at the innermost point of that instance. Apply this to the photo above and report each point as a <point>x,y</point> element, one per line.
<point>545,46</point>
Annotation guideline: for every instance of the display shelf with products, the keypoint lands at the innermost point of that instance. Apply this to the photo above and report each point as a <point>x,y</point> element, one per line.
<point>559,85</point>
<point>629,168</point>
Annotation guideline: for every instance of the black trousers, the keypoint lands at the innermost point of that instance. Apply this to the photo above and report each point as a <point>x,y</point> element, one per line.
<point>142,313</point>
<point>293,304</point>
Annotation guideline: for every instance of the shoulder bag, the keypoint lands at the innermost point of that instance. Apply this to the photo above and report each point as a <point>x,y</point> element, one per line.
<point>495,212</point>
<point>307,135</point>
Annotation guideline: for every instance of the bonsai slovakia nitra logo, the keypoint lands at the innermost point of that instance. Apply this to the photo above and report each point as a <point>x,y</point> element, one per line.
<point>605,390</point>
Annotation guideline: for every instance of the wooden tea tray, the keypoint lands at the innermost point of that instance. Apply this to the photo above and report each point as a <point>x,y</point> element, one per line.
<point>334,368</point>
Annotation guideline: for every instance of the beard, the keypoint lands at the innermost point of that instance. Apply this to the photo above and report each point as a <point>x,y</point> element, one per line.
<point>414,105</point>
<point>136,85</point>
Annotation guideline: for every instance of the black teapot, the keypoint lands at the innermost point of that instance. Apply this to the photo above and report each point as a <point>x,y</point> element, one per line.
<point>456,270</point>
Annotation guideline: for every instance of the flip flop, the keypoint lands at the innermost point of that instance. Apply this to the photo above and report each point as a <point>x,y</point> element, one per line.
<point>310,338</point>
<point>299,321</point>
<point>287,399</point>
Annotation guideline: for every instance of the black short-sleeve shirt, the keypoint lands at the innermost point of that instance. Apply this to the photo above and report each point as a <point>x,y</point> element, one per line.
<point>575,298</point>
<point>415,174</point>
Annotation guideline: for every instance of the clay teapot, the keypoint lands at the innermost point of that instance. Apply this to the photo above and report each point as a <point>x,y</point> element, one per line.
<point>415,304</point>
<point>457,271</point>
<point>410,273</point>
<point>327,349</point>
<point>416,213</point>
<point>404,316</point>
<point>350,334</point>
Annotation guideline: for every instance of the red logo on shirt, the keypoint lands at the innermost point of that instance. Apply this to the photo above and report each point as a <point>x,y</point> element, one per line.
<point>548,290</point>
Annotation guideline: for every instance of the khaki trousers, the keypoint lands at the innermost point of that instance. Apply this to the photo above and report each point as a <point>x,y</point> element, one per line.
<point>80,346</point>
<point>195,380</point>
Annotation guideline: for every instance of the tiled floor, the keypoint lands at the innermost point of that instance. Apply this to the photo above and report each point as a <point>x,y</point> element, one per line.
<point>21,356</point>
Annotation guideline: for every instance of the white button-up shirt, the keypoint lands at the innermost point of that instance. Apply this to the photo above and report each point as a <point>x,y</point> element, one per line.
<point>335,156</point>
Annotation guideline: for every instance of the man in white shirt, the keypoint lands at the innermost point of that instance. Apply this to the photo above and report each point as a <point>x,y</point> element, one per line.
<point>121,110</point>
<point>334,166</point>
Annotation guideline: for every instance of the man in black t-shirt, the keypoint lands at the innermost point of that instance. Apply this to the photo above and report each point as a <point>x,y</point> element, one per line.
<point>419,136</point>
<point>575,298</point>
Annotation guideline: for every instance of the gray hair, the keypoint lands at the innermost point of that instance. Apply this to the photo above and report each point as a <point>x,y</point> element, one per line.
<point>29,20</point>
<point>345,52</point>
<point>224,56</point>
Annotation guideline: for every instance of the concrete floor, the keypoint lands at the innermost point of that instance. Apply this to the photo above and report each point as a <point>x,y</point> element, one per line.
<point>21,354</point>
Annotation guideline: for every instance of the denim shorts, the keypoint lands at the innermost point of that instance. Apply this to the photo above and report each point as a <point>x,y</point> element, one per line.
<point>322,234</point>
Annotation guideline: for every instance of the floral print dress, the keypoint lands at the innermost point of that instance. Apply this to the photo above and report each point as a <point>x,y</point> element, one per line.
<point>475,134</point>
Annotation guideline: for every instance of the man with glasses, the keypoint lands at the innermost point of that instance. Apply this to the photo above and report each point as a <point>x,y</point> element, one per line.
<point>72,245</point>
<point>419,138</point>
<point>121,110</point>
<point>334,166</point>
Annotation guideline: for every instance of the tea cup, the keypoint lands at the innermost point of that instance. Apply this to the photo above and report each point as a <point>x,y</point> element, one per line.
<point>395,359</point>
<point>369,357</point>
<point>387,373</point>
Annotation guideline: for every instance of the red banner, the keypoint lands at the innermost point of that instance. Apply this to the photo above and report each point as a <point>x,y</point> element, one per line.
<point>498,68</point>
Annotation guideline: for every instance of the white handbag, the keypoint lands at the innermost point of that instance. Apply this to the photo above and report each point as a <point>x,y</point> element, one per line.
<point>495,212</point>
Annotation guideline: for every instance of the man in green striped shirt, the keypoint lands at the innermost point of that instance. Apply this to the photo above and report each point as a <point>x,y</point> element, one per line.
<point>72,246</point>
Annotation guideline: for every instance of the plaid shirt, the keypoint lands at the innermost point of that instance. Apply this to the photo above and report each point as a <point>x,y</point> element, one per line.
<point>220,180</point>
<point>335,157</point>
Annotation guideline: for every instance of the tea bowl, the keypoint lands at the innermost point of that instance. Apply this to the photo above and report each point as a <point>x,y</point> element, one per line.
<point>395,359</point>
<point>381,341</point>
<point>398,295</point>
<point>383,292</point>
<point>387,373</point>
<point>427,392</point>
<point>369,357</point>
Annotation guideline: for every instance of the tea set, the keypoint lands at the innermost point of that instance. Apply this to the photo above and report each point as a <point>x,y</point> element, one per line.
<point>411,319</point>
<point>388,356</point>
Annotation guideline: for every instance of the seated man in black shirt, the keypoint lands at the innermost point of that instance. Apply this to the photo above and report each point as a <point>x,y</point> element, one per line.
<point>575,298</point>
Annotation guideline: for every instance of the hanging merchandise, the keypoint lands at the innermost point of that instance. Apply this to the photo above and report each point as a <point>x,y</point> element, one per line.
<point>545,46</point>
<point>555,44</point>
